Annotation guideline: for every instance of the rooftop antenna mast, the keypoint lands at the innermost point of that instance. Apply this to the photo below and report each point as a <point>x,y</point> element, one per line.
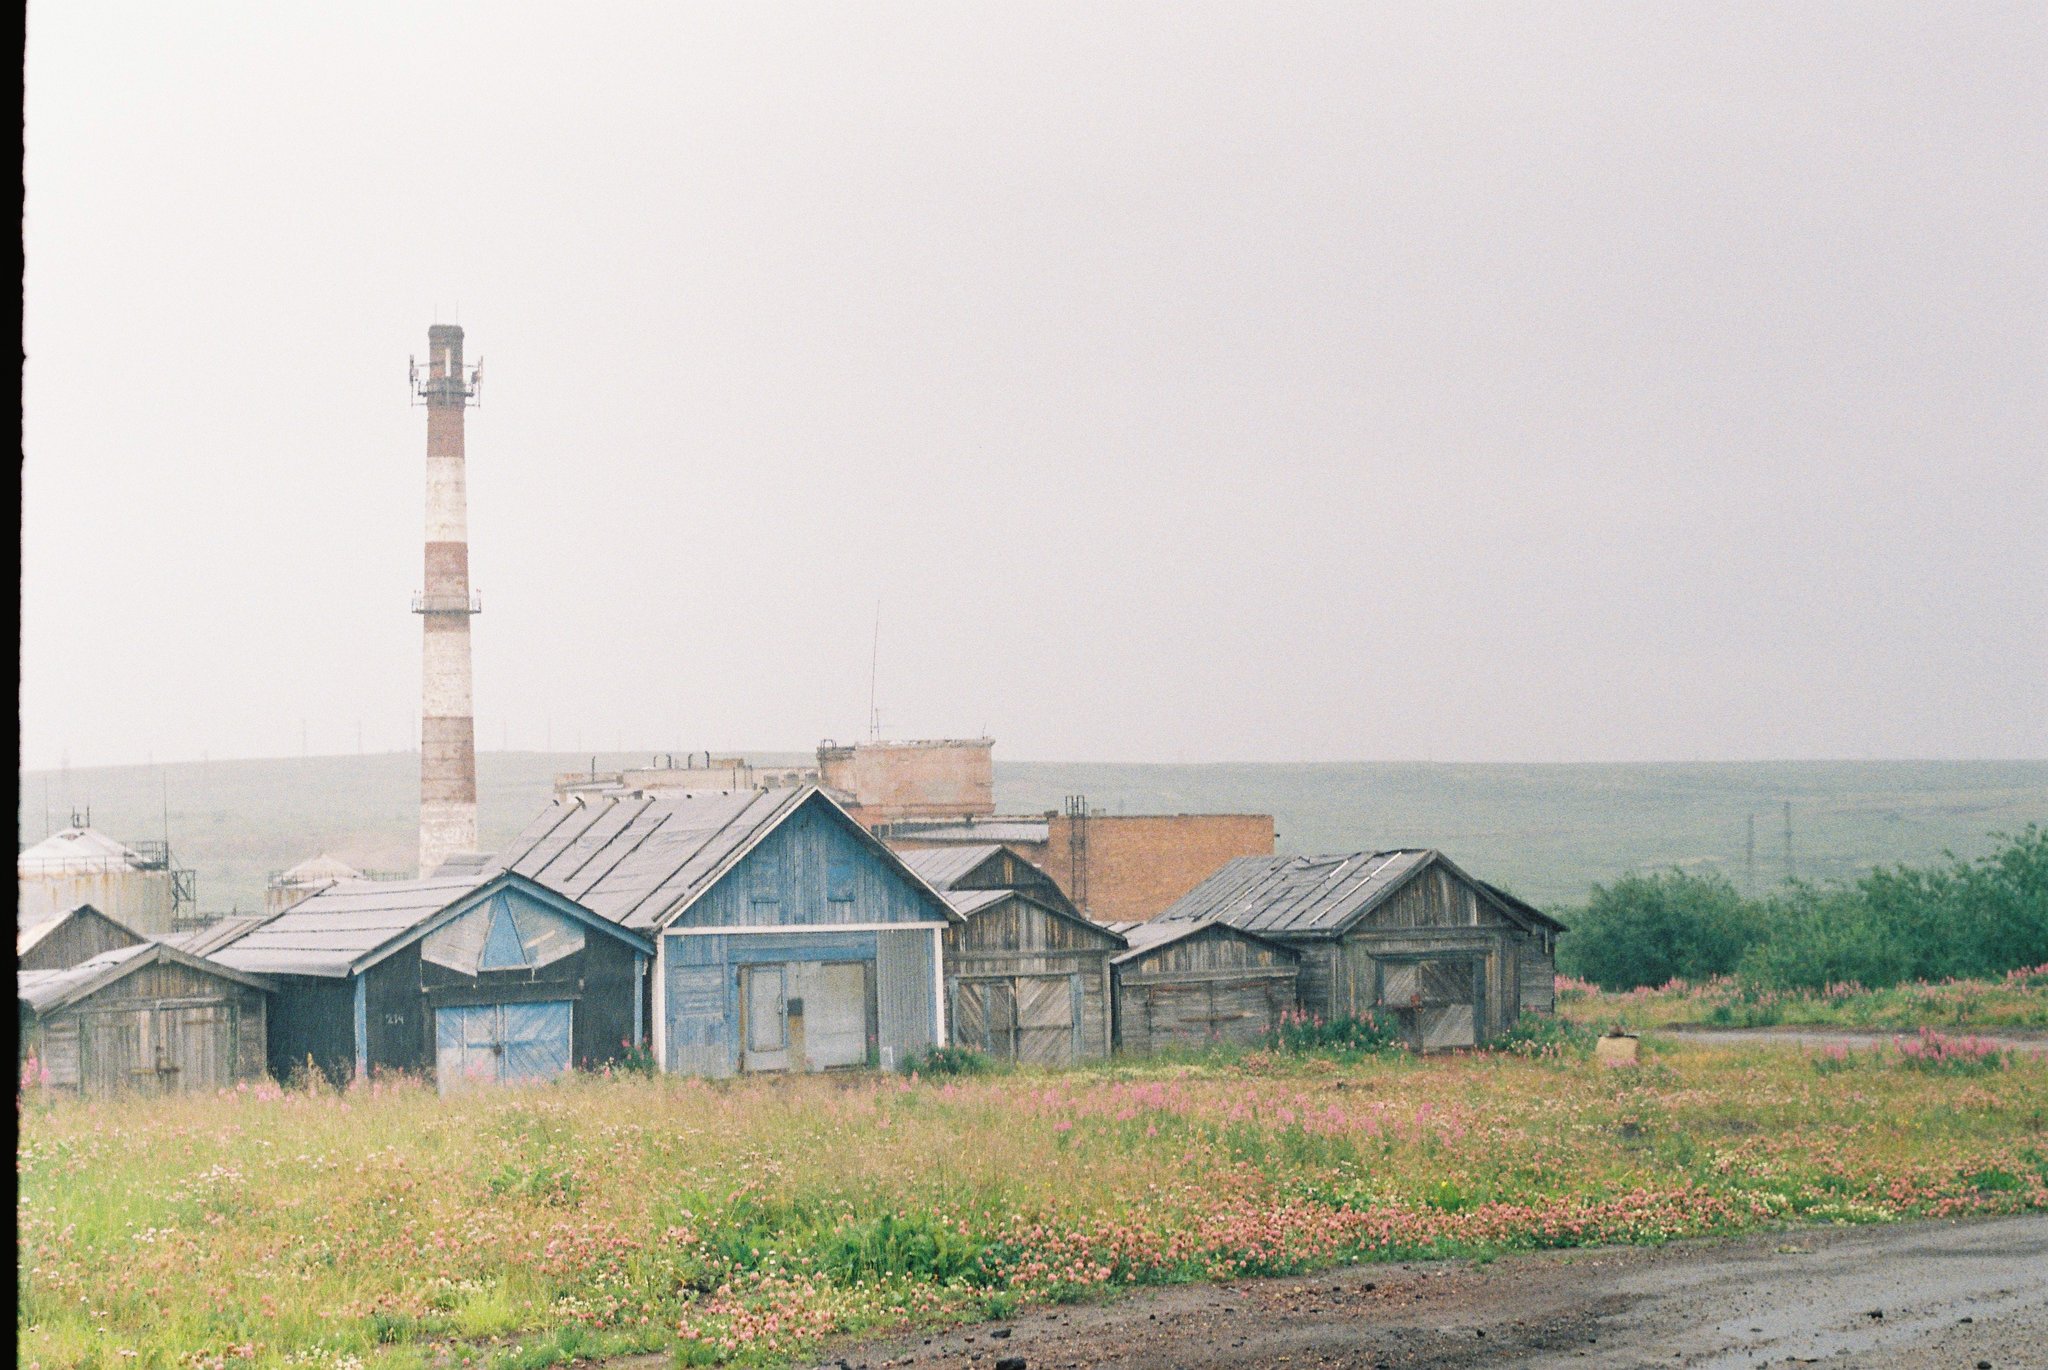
<point>874,665</point>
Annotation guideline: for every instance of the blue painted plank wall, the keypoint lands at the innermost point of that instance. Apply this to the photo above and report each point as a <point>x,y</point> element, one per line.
<point>791,879</point>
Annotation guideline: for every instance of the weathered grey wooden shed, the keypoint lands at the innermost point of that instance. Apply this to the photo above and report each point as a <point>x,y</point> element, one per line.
<point>143,1017</point>
<point>1027,977</point>
<point>470,980</point>
<point>1405,933</point>
<point>1027,981</point>
<point>1193,984</point>
<point>984,866</point>
<point>78,934</point>
<point>787,937</point>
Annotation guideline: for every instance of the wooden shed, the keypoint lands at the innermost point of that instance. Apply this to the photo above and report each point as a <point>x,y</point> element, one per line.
<point>78,934</point>
<point>1406,933</point>
<point>787,937</point>
<point>470,980</point>
<point>1027,981</point>
<point>984,866</point>
<point>1027,977</point>
<point>143,1017</point>
<point>1193,984</point>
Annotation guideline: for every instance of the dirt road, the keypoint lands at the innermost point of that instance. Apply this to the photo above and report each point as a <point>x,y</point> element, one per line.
<point>2011,1039</point>
<point>1909,1295</point>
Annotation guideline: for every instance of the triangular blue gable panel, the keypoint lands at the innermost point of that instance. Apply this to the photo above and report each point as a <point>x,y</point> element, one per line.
<point>510,931</point>
<point>502,948</point>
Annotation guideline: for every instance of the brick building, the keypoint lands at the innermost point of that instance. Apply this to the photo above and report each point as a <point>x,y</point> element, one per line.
<point>1114,867</point>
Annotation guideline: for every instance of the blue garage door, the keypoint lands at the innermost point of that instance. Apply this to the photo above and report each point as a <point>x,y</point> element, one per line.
<point>479,1044</point>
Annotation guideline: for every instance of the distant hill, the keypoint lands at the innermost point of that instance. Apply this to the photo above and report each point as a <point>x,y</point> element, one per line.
<point>1546,832</point>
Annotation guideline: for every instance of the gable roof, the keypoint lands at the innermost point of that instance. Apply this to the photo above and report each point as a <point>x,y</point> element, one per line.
<point>1149,935</point>
<point>1522,906</point>
<point>641,859</point>
<point>1314,896</point>
<point>944,867</point>
<point>46,991</point>
<point>968,903</point>
<point>352,925</point>
<point>27,938</point>
<point>215,935</point>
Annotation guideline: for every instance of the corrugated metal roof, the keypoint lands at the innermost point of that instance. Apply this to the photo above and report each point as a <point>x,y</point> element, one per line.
<point>641,858</point>
<point>942,866</point>
<point>43,989</point>
<point>327,932</point>
<point>1301,896</point>
<point>215,935</point>
<point>966,903</point>
<point>1152,934</point>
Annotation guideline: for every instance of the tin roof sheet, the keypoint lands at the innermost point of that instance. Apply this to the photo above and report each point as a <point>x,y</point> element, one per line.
<point>639,858</point>
<point>327,932</point>
<point>44,990</point>
<point>215,935</point>
<point>1296,895</point>
<point>943,866</point>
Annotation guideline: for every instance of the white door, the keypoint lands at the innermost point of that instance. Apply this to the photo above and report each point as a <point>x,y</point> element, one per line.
<point>835,998</point>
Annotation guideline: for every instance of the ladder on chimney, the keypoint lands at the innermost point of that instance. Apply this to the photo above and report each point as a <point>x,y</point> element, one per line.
<point>1077,850</point>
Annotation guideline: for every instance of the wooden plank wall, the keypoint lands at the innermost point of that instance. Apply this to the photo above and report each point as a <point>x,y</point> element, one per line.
<point>83,935</point>
<point>1018,938</point>
<point>787,879</point>
<point>1213,986</point>
<point>701,995</point>
<point>167,1003</point>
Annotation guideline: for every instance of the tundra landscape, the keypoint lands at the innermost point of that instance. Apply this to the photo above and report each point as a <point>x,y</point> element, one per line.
<point>755,1221</point>
<point>1342,686</point>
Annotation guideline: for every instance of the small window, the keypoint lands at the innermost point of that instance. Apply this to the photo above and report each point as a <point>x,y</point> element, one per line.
<point>839,878</point>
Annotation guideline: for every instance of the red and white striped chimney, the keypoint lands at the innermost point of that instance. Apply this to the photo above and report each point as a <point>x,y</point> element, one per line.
<point>447,727</point>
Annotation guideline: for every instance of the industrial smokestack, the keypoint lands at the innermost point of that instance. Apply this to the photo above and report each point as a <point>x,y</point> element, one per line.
<point>447,727</point>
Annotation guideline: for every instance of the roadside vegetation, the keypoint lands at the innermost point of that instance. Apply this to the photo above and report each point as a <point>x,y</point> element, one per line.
<point>1963,921</point>
<point>746,1221</point>
<point>2016,1000</point>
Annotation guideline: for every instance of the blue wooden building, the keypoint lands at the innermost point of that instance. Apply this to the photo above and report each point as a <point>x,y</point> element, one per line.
<point>787,938</point>
<point>475,979</point>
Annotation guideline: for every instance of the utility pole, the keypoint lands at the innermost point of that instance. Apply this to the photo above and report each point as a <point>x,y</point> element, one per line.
<point>1790,871</point>
<point>1749,857</point>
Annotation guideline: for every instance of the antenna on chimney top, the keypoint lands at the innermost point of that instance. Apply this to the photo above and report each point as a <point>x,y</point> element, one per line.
<point>874,665</point>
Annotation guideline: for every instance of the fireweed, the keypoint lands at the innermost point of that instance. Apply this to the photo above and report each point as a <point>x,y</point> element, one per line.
<point>748,1221</point>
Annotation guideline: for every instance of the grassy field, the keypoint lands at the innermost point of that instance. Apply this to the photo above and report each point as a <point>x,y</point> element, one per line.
<point>1547,832</point>
<point>2019,1000</point>
<point>384,1227</point>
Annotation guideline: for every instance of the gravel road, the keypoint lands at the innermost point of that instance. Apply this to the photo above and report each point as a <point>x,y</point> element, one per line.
<point>2016,1039</point>
<point>1961,1294</point>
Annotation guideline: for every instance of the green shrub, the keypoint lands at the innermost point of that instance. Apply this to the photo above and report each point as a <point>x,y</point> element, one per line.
<point>1544,1037</point>
<point>1367,1034</point>
<point>1652,929</point>
<point>949,1061</point>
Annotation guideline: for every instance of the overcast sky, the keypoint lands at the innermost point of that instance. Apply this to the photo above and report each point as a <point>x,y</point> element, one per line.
<point>1251,382</point>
